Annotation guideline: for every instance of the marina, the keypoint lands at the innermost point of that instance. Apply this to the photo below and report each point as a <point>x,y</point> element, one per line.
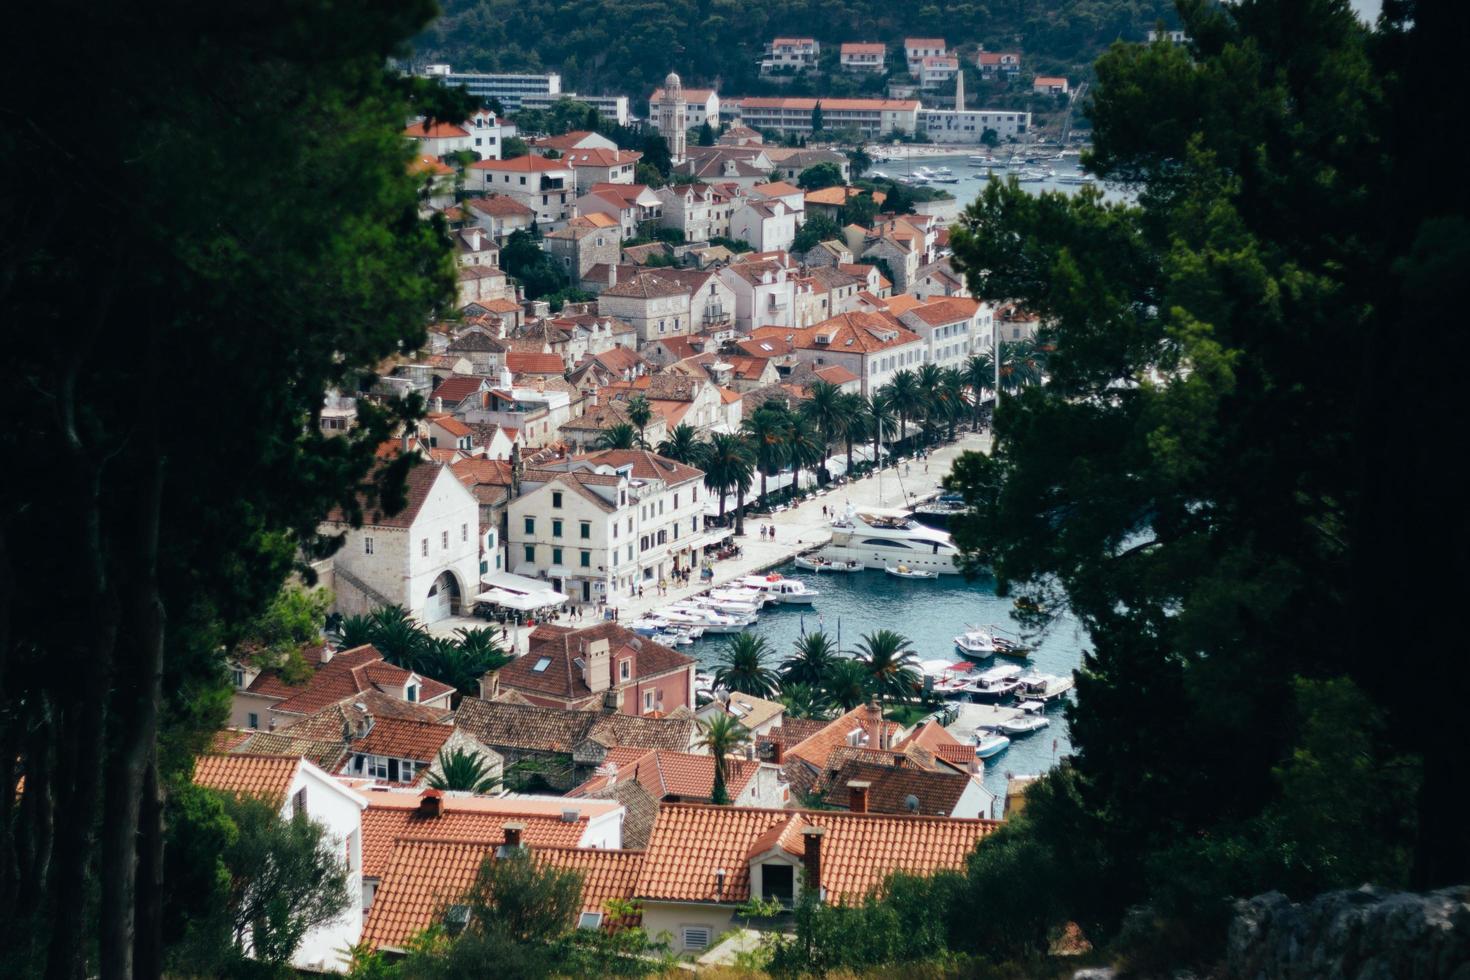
<point>1024,735</point>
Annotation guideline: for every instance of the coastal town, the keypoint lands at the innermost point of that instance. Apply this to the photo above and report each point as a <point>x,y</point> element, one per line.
<point>783,494</point>
<point>747,360</point>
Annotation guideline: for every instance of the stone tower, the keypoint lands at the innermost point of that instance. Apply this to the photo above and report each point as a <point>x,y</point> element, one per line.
<point>959,90</point>
<point>672,124</point>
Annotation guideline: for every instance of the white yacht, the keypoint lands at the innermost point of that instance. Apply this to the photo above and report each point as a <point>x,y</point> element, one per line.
<point>997,684</point>
<point>879,538</point>
<point>980,642</point>
<point>709,620</point>
<point>787,591</point>
<point>748,606</point>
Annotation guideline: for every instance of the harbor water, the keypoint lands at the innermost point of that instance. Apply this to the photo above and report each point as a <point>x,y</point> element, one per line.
<point>930,612</point>
<point>972,179</point>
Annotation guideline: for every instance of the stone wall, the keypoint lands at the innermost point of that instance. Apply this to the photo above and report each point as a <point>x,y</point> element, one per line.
<point>1367,934</point>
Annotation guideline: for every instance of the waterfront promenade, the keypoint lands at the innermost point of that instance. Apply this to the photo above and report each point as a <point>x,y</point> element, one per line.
<point>798,529</point>
<point>803,527</point>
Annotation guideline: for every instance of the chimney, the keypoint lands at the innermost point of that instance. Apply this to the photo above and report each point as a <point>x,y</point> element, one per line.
<point>873,725</point>
<point>490,684</point>
<point>811,859</point>
<point>513,834</point>
<point>778,752</point>
<point>431,804</point>
<point>326,654</point>
<point>517,469</point>
<point>857,795</point>
<point>597,669</point>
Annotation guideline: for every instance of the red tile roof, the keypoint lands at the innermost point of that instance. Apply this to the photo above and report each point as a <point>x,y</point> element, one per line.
<point>856,333</point>
<point>437,131</point>
<point>952,309</point>
<point>863,48</point>
<point>385,822</point>
<point>425,876</point>
<point>563,679</point>
<point>500,205</point>
<point>833,105</point>
<point>683,776</point>
<point>348,673</point>
<point>265,776</point>
<point>646,465</point>
<point>400,739</point>
<point>691,841</point>
<point>521,362</point>
<point>525,164</point>
<point>835,374</point>
<point>456,389</point>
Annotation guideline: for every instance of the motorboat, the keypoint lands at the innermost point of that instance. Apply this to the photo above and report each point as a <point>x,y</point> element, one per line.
<point>735,607</point>
<point>707,619</point>
<point>786,591</point>
<point>880,537</point>
<point>650,626</point>
<point>1024,723</point>
<point>879,175</point>
<point>816,563</point>
<point>673,639</point>
<point>989,744</point>
<point>944,179</point>
<point>904,571</point>
<point>743,595</point>
<point>997,683</point>
<point>979,642</point>
<point>937,513</point>
<point>1045,687</point>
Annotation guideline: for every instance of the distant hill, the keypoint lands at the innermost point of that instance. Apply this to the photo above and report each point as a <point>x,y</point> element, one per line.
<point>629,45</point>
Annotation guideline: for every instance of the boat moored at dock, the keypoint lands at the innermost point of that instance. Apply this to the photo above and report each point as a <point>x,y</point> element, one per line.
<point>880,537</point>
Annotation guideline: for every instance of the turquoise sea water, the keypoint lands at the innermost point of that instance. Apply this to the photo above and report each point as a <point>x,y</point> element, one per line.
<point>930,613</point>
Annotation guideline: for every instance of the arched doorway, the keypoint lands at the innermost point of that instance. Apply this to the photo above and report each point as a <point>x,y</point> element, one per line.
<point>444,598</point>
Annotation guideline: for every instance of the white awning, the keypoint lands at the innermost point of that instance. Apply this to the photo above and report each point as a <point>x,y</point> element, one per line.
<point>519,592</point>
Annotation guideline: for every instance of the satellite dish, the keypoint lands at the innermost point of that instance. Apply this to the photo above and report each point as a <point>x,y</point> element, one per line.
<point>912,802</point>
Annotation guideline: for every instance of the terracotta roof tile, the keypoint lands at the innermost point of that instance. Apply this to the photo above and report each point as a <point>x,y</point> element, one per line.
<point>437,131</point>
<point>521,362</point>
<point>937,792</point>
<point>384,826</point>
<point>562,678</point>
<point>525,164</point>
<point>682,776</point>
<point>949,310</point>
<point>497,724</point>
<point>399,739</point>
<point>859,851</point>
<point>268,777</point>
<point>328,753</point>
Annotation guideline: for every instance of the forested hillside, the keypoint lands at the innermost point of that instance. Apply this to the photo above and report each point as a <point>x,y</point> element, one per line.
<point>629,46</point>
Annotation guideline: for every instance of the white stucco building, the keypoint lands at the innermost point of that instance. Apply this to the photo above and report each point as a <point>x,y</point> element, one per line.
<point>425,558</point>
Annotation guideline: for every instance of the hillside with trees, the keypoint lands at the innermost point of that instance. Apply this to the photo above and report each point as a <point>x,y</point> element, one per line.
<point>599,44</point>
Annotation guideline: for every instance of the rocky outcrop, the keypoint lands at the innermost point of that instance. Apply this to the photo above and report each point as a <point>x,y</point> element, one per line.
<point>1367,934</point>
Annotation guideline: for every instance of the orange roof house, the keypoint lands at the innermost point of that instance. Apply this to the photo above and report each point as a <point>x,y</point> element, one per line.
<point>703,862</point>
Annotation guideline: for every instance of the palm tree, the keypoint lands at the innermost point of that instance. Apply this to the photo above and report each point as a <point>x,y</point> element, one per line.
<point>721,736</point>
<point>803,448</point>
<point>804,701</point>
<point>824,407</point>
<point>846,684</point>
<point>640,413</point>
<point>398,638</point>
<point>881,419</point>
<point>742,666</point>
<point>466,772</point>
<point>979,375</point>
<point>683,445</point>
<point>908,399</point>
<point>1022,364</point>
<point>814,655</point>
<point>951,399</point>
<point>353,631</point>
<point>619,435</point>
<point>766,430</point>
<point>852,411</point>
<point>930,379</point>
<point>889,661</point>
<point>729,465</point>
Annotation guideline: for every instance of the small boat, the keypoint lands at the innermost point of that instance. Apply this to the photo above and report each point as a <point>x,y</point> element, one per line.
<point>787,591</point>
<point>944,179</point>
<point>948,679</point>
<point>650,626</point>
<point>988,744</point>
<point>979,642</point>
<point>1045,687</point>
<point>709,620</point>
<point>997,683</point>
<point>747,606</point>
<point>816,563</point>
<point>879,175</point>
<point>672,639</point>
<point>1024,723</point>
<point>903,571</point>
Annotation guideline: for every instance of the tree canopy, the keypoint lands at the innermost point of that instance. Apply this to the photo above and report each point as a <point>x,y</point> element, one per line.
<point>1208,483</point>
<point>252,241</point>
